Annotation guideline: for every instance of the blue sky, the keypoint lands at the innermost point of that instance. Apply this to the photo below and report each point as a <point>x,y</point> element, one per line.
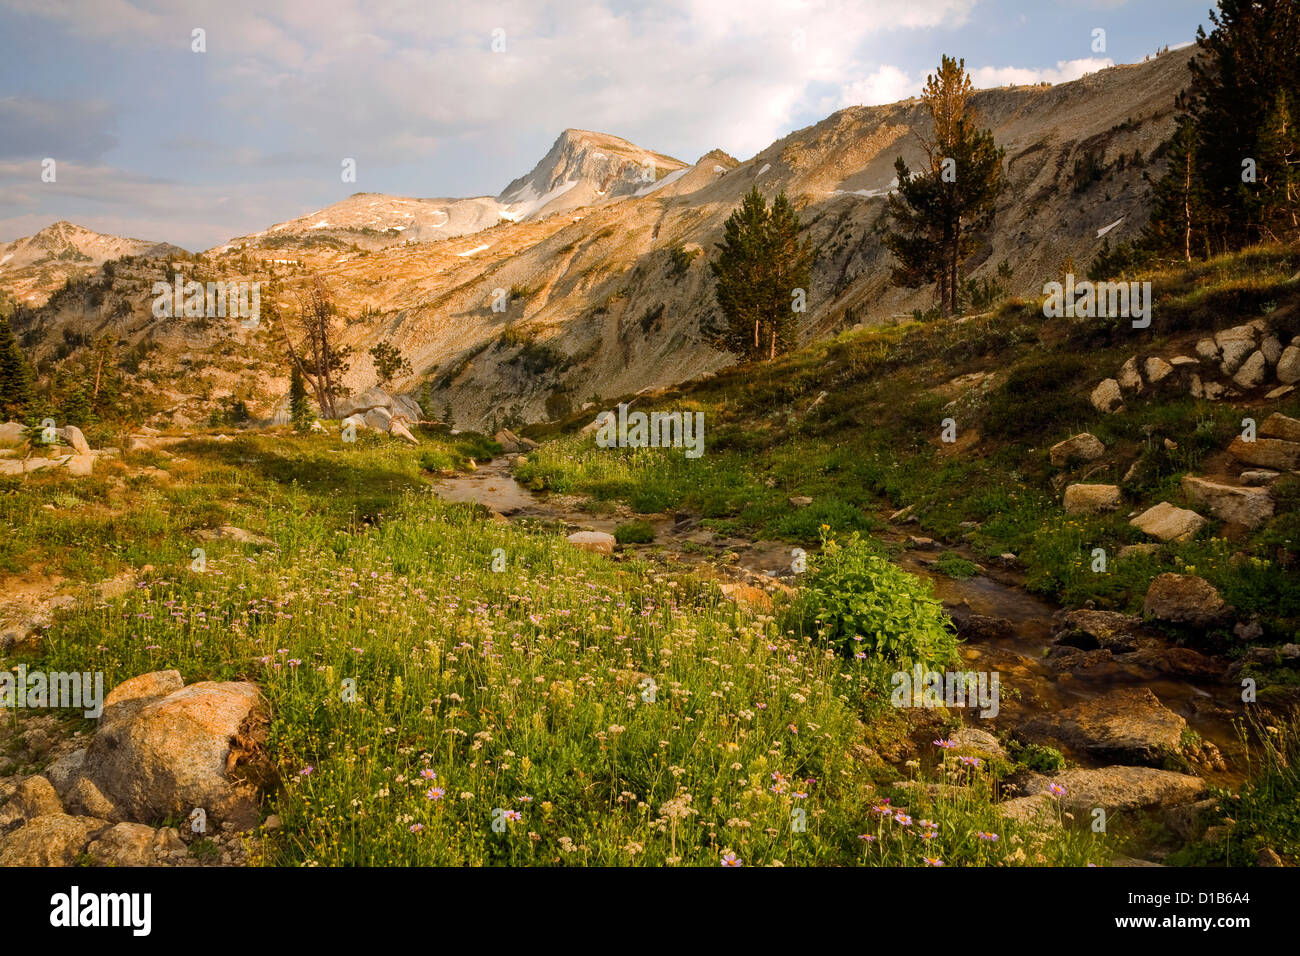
<point>156,141</point>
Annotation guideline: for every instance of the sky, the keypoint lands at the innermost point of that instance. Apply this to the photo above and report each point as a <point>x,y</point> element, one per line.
<point>155,138</point>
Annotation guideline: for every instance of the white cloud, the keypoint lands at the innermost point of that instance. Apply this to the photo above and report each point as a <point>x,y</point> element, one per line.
<point>888,84</point>
<point>989,76</point>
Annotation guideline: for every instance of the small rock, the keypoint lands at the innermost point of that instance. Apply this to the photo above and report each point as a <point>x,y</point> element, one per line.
<point>1253,372</point>
<point>1288,365</point>
<point>1156,369</point>
<point>126,844</point>
<point>1128,377</point>
<point>1259,478</point>
<point>1107,397</point>
<point>36,797</point>
<point>921,543</point>
<point>1249,507</point>
<point>1169,523</point>
<point>596,541</point>
<point>1081,447</point>
<point>1090,499</point>
<point>56,839</point>
<point>1183,599</point>
<point>1119,788</point>
<point>1133,550</point>
<point>1281,427</point>
<point>800,501</point>
<point>1268,857</point>
<point>1271,453</point>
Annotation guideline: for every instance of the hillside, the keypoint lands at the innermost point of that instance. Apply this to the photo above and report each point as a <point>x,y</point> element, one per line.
<point>33,267</point>
<point>616,297</point>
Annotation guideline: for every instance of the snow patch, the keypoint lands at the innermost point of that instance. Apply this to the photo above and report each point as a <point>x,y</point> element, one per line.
<point>1105,229</point>
<point>766,167</point>
<point>470,252</point>
<point>322,224</point>
<point>647,190</point>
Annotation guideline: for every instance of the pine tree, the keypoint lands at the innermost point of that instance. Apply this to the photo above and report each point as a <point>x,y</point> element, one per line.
<point>760,265</point>
<point>940,210</point>
<point>17,382</point>
<point>1277,201</point>
<point>1249,60</point>
<point>299,410</point>
<point>1179,204</point>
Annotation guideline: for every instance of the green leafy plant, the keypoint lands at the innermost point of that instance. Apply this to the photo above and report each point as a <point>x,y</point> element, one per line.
<point>860,603</point>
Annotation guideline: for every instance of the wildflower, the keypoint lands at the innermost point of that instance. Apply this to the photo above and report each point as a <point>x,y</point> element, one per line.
<point>428,774</point>
<point>971,761</point>
<point>306,771</point>
<point>903,818</point>
<point>1056,790</point>
<point>730,859</point>
<point>932,861</point>
<point>514,816</point>
<point>867,837</point>
<point>416,827</point>
<point>945,744</point>
<point>990,837</point>
<point>434,793</point>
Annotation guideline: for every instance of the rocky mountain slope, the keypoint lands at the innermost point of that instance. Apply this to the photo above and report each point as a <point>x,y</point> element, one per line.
<point>600,287</point>
<point>34,266</point>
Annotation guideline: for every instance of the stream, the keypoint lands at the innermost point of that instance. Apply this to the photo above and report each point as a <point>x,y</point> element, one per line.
<point>1017,648</point>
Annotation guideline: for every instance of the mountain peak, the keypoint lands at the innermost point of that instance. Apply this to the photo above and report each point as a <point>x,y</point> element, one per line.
<point>581,168</point>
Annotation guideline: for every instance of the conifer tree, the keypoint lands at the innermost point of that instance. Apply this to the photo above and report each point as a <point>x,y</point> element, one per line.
<point>940,210</point>
<point>299,410</point>
<point>760,266</point>
<point>17,381</point>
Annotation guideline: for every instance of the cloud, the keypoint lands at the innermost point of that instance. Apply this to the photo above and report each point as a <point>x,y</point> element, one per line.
<point>35,127</point>
<point>989,76</point>
<point>889,84</point>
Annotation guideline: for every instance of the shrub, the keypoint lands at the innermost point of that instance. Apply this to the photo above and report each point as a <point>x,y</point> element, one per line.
<point>634,532</point>
<point>859,602</point>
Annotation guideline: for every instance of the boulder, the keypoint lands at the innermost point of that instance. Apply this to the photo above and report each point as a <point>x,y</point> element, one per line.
<point>377,419</point>
<point>970,741</point>
<point>1128,725</point>
<point>126,844</point>
<point>64,771</point>
<point>177,752</point>
<point>1273,453</point>
<point>400,431</point>
<point>1169,523</point>
<point>1107,397</point>
<point>1135,550</point>
<point>1184,599</point>
<point>1249,507</point>
<point>1253,372</point>
<point>1090,499</point>
<point>86,799</point>
<point>1271,348</point>
<point>1081,447</point>
<point>1119,788</point>
<point>1088,630</point>
<point>1288,365</point>
<point>374,397</point>
<point>55,839</point>
<point>800,501</point>
<point>1156,369</point>
<point>507,440</point>
<point>1040,810</point>
<point>1280,426</point>
<point>81,465</point>
<point>73,436</point>
<point>1207,350</point>
<point>36,797</point>
<point>11,433</point>
<point>407,407</point>
<point>1235,344</point>
<point>597,541</point>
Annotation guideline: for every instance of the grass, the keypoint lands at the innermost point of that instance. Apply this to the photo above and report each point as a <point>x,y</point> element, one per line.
<point>854,423</point>
<point>597,712</point>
